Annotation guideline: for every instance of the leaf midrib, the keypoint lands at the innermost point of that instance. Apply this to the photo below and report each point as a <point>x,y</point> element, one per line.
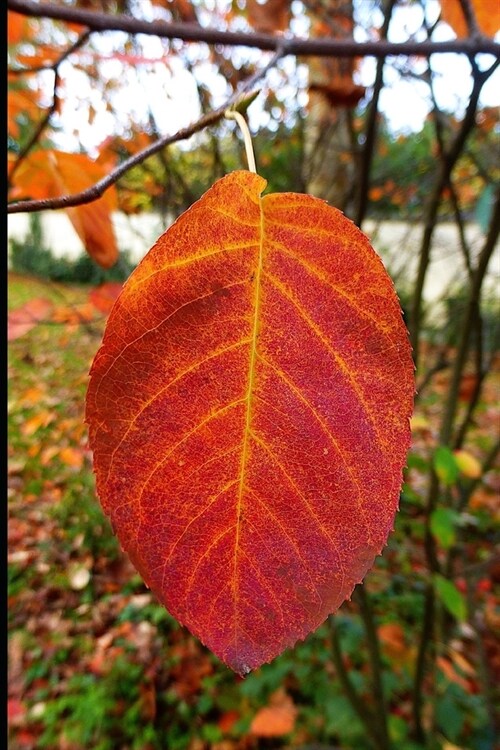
<point>248,416</point>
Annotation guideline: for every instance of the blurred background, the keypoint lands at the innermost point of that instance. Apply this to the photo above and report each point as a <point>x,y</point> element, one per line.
<point>408,148</point>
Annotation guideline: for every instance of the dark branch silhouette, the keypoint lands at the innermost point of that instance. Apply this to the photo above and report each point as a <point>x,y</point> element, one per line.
<point>290,45</point>
<point>96,191</point>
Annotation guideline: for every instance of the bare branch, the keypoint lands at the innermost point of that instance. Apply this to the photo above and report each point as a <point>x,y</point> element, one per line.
<point>82,39</point>
<point>189,32</point>
<point>96,191</point>
<point>28,146</point>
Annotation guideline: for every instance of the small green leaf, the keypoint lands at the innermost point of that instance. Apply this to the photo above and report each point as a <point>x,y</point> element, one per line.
<point>416,461</point>
<point>445,465</point>
<point>451,597</point>
<point>443,522</point>
<point>398,728</point>
<point>449,715</point>
<point>244,103</point>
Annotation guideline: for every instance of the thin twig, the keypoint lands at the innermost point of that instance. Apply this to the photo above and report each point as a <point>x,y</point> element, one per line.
<point>371,127</point>
<point>470,18</point>
<point>366,613</point>
<point>96,191</point>
<point>448,161</point>
<point>364,714</point>
<point>470,316</point>
<point>35,136</point>
<point>445,438</point>
<point>426,638</point>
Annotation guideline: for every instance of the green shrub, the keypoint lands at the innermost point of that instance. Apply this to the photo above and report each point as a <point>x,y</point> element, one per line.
<point>31,256</point>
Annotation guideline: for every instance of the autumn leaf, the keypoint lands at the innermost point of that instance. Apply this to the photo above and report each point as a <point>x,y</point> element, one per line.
<point>103,297</point>
<point>19,28</point>
<point>24,318</point>
<point>249,416</point>
<point>276,719</point>
<point>25,102</point>
<point>72,457</point>
<point>51,174</point>
<point>269,16</point>
<point>487,14</point>
<point>331,79</point>
<point>468,464</point>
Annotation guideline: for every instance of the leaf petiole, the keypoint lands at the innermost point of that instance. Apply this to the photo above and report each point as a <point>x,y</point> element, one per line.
<point>231,114</point>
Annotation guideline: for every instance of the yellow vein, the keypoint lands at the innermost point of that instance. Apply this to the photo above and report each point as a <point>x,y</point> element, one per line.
<point>265,585</point>
<point>339,360</point>
<point>193,521</point>
<point>156,327</point>
<point>206,553</point>
<point>305,501</point>
<point>189,434</point>
<point>316,229</point>
<point>166,387</point>
<point>251,377</point>
<point>292,542</point>
<point>192,259</point>
<point>296,391</point>
<point>233,217</point>
<point>325,278</point>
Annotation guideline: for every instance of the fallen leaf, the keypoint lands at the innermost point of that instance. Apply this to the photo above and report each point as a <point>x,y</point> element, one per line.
<point>249,416</point>
<point>72,457</point>
<point>419,423</point>
<point>227,721</point>
<point>392,638</point>
<point>276,719</point>
<point>24,318</point>
<point>451,674</point>
<point>33,424</point>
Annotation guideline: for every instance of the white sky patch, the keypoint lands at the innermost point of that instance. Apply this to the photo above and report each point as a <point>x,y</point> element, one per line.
<point>167,90</point>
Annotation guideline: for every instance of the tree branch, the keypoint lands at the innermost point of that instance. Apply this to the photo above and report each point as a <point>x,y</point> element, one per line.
<point>26,149</point>
<point>371,126</point>
<point>96,191</point>
<point>189,32</point>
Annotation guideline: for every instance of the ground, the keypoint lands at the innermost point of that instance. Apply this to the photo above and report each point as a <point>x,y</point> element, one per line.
<point>95,662</point>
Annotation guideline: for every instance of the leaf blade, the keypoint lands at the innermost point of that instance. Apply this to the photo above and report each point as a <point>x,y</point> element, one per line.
<point>259,398</point>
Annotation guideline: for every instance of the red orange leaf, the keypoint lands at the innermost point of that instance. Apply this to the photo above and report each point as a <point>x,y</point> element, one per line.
<point>249,416</point>
<point>50,174</point>
<point>19,28</point>
<point>487,13</point>
<point>268,16</point>
<point>23,319</point>
<point>103,296</point>
<point>276,719</point>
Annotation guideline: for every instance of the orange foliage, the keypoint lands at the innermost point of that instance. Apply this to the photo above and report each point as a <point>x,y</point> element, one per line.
<point>332,78</point>
<point>51,174</point>
<point>23,319</point>
<point>18,28</point>
<point>21,101</point>
<point>276,719</point>
<point>487,13</point>
<point>270,16</point>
